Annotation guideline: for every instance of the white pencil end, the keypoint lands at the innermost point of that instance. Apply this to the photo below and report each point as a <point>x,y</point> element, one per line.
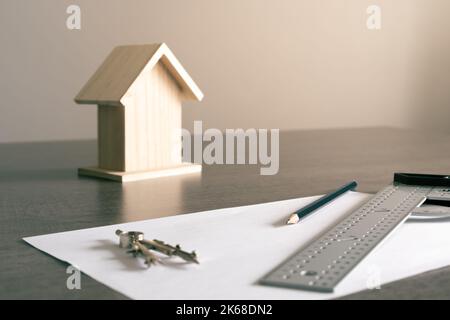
<point>293,219</point>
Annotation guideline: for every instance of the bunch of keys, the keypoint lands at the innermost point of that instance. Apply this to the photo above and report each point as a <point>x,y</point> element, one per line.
<point>136,244</point>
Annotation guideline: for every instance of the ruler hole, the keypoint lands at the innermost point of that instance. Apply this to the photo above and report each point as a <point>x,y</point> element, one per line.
<point>308,273</point>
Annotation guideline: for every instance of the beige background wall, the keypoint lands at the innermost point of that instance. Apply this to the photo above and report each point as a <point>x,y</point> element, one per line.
<point>261,63</point>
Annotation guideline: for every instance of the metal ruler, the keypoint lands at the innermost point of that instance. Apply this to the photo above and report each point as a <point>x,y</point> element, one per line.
<point>321,265</point>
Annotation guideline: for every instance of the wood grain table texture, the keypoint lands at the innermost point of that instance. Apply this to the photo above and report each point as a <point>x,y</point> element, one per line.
<point>41,193</point>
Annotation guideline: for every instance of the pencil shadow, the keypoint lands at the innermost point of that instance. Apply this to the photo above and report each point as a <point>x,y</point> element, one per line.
<point>131,263</point>
<point>280,223</point>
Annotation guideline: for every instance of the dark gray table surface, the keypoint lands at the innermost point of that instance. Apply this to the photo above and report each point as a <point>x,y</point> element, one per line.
<point>41,193</point>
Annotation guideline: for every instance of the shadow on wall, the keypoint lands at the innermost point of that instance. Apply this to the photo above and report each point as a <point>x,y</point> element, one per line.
<point>430,102</point>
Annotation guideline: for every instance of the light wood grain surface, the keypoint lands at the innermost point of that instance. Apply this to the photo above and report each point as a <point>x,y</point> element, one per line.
<point>139,90</point>
<point>122,67</point>
<point>41,193</point>
<point>153,121</point>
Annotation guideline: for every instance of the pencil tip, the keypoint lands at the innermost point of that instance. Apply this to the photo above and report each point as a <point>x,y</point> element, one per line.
<point>293,219</point>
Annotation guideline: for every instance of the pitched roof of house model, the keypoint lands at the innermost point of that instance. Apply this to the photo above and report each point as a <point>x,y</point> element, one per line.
<point>123,66</point>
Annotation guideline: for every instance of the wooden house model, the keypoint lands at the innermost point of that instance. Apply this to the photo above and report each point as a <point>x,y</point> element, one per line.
<point>139,90</point>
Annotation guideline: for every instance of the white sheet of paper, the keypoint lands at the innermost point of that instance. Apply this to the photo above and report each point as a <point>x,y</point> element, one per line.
<point>238,246</point>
